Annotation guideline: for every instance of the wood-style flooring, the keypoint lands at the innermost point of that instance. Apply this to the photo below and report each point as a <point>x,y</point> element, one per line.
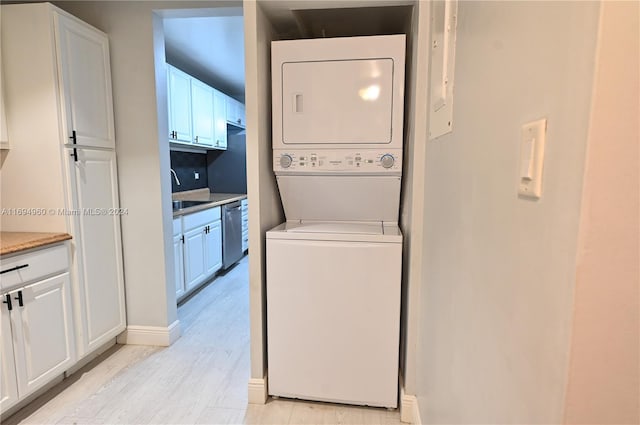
<point>201,379</point>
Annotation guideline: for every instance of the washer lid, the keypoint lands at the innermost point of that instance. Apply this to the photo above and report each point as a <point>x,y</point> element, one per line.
<point>324,227</point>
<point>376,232</point>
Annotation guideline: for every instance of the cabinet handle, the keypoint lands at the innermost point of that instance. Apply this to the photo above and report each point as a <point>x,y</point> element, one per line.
<point>19,298</point>
<point>73,137</point>
<point>75,155</point>
<point>182,238</point>
<point>7,301</point>
<point>239,121</point>
<point>12,269</point>
<point>196,139</point>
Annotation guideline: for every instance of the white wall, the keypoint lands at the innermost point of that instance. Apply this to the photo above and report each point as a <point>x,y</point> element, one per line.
<point>604,376</point>
<point>143,157</point>
<point>265,211</point>
<point>496,295</point>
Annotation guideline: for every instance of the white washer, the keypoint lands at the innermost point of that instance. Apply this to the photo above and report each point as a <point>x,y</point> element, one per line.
<point>334,268</point>
<point>333,312</point>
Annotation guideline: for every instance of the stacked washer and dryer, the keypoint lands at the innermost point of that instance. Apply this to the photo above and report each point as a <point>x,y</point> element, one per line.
<point>334,266</point>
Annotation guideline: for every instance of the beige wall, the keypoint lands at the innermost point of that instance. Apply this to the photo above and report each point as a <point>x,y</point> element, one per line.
<point>499,271</point>
<point>265,211</point>
<point>604,379</point>
<point>412,202</point>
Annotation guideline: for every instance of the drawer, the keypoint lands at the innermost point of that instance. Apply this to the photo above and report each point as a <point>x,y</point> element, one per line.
<point>200,218</point>
<point>42,263</point>
<point>245,219</point>
<point>244,203</point>
<point>177,226</point>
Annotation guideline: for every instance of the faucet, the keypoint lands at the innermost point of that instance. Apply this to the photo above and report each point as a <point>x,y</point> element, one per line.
<point>175,176</point>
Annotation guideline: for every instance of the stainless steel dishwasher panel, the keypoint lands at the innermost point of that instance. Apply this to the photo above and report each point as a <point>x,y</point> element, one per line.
<point>231,234</point>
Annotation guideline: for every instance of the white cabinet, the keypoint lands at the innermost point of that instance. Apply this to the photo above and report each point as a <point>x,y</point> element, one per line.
<point>100,292</point>
<point>37,323</point>
<point>67,71</point>
<point>220,111</point>
<point>8,380</point>
<point>245,224</point>
<point>194,257</point>
<point>236,113</point>
<point>197,249</point>
<point>179,96</point>
<point>202,110</point>
<point>83,59</point>
<point>42,329</point>
<point>178,259</point>
<point>213,247</point>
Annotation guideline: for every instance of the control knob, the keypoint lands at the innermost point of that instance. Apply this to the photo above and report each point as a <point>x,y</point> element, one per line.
<point>285,160</point>
<point>387,160</point>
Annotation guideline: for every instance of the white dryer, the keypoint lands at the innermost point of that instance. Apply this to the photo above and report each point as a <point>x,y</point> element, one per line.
<point>334,267</point>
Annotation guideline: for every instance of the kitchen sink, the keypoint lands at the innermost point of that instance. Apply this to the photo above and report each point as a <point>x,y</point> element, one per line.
<point>178,205</point>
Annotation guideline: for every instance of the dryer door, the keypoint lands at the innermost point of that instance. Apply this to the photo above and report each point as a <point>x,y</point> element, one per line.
<point>337,102</point>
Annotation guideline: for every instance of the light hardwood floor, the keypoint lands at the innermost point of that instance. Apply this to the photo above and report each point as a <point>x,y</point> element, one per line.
<point>200,379</point>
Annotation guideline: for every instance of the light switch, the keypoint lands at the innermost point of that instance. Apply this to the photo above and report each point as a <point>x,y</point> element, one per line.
<point>196,175</point>
<point>526,161</point>
<point>532,141</point>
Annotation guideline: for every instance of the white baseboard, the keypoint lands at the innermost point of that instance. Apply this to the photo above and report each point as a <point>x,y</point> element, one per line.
<point>258,390</point>
<point>150,335</point>
<point>409,409</point>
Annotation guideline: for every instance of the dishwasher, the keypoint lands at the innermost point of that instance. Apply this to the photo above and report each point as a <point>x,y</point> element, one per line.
<point>231,234</point>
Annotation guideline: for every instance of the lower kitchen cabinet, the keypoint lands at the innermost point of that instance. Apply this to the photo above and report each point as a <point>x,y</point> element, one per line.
<point>245,224</point>
<point>178,258</point>
<point>194,257</point>
<point>198,250</point>
<point>213,248</point>
<point>8,380</point>
<point>37,332</point>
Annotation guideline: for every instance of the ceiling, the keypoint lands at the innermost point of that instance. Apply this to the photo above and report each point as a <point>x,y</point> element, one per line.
<point>337,18</point>
<point>210,49</point>
<point>209,43</point>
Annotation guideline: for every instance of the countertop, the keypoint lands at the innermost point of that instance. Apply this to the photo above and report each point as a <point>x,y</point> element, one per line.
<point>11,242</point>
<point>212,199</point>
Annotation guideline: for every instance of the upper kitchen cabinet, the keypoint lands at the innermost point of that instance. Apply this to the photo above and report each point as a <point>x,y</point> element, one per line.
<point>197,112</point>
<point>236,113</point>
<point>203,113</point>
<point>179,95</point>
<point>83,59</point>
<point>220,111</point>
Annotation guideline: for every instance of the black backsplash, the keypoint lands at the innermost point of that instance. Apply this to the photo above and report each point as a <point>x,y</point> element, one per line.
<point>185,164</point>
<point>227,170</point>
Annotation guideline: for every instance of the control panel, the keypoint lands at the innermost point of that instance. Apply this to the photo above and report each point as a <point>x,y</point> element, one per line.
<point>338,161</point>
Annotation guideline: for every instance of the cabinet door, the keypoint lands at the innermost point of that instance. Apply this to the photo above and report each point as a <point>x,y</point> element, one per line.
<point>179,94</point>
<point>213,248</point>
<point>179,265</point>
<point>83,66</point>
<point>42,332</point>
<point>8,382</point>
<point>98,247</point>
<point>220,111</point>
<point>194,257</point>
<point>202,102</point>
<point>231,110</point>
